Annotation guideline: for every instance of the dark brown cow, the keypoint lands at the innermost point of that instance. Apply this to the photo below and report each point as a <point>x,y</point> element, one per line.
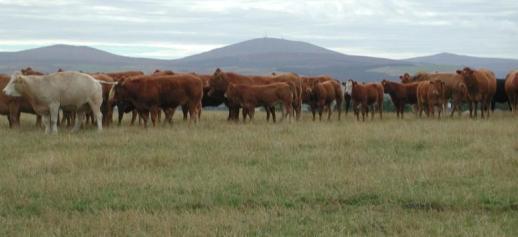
<point>401,94</point>
<point>430,94</point>
<point>511,88</point>
<point>365,96</point>
<point>251,96</point>
<point>152,93</point>
<point>481,85</point>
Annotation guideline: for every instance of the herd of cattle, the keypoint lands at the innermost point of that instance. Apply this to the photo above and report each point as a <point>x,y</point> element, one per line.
<point>78,95</point>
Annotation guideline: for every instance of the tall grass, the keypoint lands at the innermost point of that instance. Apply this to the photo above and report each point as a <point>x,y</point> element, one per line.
<point>412,177</point>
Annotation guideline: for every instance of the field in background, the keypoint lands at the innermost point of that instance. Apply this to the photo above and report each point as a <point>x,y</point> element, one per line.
<point>413,177</point>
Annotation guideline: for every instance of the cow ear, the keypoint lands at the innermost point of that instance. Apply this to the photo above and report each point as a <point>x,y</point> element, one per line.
<point>459,72</point>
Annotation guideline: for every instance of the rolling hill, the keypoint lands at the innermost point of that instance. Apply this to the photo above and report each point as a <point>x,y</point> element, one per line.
<point>257,56</point>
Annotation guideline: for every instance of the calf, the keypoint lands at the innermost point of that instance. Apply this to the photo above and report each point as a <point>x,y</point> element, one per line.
<point>400,94</point>
<point>251,96</point>
<point>430,94</point>
<point>365,96</point>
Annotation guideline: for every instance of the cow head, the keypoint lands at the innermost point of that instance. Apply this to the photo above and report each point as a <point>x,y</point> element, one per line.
<point>218,82</point>
<point>16,85</point>
<point>30,72</point>
<point>468,75</point>
<point>405,78</point>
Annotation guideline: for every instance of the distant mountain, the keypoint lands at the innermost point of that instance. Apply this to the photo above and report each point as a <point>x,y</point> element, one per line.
<point>257,56</point>
<point>50,58</point>
<point>266,55</point>
<point>500,66</point>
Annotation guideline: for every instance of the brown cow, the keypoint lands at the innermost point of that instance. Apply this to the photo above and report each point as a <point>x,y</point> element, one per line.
<point>430,94</point>
<point>152,93</point>
<point>13,106</point>
<point>401,94</point>
<point>323,95</point>
<point>452,84</point>
<point>511,89</point>
<point>251,96</point>
<point>308,97</point>
<point>364,96</point>
<point>220,81</point>
<point>120,76</point>
<point>481,85</point>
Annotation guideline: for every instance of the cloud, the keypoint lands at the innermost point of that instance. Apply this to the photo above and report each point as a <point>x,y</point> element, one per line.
<point>389,28</point>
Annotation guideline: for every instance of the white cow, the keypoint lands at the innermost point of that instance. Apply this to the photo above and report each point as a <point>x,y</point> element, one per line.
<point>70,91</point>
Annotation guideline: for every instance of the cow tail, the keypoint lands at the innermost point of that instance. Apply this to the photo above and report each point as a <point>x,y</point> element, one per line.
<point>112,93</point>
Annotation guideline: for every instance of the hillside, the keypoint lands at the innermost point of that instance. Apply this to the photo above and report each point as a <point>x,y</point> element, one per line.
<point>500,66</point>
<point>257,56</point>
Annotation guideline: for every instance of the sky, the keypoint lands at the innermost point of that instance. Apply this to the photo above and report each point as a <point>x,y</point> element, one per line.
<point>177,28</point>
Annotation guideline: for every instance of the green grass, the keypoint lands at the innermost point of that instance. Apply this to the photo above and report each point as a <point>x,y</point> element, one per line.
<point>407,178</point>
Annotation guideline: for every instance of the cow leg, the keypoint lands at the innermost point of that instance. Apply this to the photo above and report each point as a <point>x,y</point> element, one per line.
<point>380,108</point>
<point>185,111</point>
<point>95,108</point>
<point>159,113</point>
<point>267,113</point>
<point>329,112</point>
<point>192,112</point>
<point>14,115</point>
<point>46,123</point>
<point>154,114</point>
<point>80,116</point>
<point>120,111</point>
<point>54,112</point>
<point>134,114</point>
<point>320,111</point>
<point>38,120</point>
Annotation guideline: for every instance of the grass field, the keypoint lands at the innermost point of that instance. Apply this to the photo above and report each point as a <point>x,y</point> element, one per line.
<point>408,178</point>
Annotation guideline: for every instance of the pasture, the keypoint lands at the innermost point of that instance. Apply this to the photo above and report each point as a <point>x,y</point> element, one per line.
<point>454,177</point>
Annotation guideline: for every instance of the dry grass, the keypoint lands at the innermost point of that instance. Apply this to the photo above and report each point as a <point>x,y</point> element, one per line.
<point>407,178</point>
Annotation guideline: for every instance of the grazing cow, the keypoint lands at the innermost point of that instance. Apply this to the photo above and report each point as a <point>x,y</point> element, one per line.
<point>68,90</point>
<point>364,96</point>
<point>220,81</point>
<point>152,93</point>
<point>401,94</point>
<point>511,88</point>
<point>251,96</point>
<point>500,95</point>
<point>430,94</point>
<point>481,85</point>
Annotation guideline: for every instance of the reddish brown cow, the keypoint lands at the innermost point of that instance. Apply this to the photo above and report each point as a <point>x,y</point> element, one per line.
<point>120,76</point>
<point>220,81</point>
<point>511,89</point>
<point>13,106</point>
<point>308,93</point>
<point>323,95</point>
<point>251,96</point>
<point>430,94</point>
<point>481,85</point>
<point>151,93</point>
<point>364,96</point>
<point>400,94</point>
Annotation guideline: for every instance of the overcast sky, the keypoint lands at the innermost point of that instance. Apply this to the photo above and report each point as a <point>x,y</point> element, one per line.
<point>173,29</point>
